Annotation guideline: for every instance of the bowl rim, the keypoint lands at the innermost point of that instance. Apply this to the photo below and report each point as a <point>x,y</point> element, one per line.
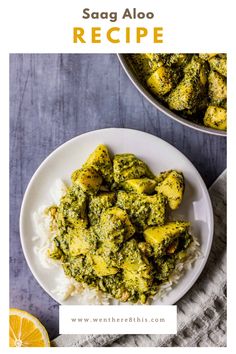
<point>161,107</point>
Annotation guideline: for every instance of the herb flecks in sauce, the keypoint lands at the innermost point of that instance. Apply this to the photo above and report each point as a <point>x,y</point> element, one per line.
<point>111,228</point>
<point>188,84</point>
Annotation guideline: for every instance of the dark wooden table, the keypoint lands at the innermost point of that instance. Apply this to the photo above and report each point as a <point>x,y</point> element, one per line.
<point>55,97</point>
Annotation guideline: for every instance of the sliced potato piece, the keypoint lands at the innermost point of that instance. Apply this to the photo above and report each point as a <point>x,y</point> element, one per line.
<point>161,82</point>
<point>216,117</point>
<point>217,88</point>
<point>88,179</point>
<point>100,160</point>
<point>101,267</point>
<point>137,269</point>
<point>149,56</point>
<point>133,258</point>
<point>81,269</point>
<point>183,96</point>
<point>161,237</point>
<point>128,166</point>
<point>186,95</point>
<point>72,207</point>
<point>179,59</point>
<point>79,241</point>
<point>136,207</point>
<point>140,282</point>
<point>143,210</point>
<point>98,203</point>
<point>157,214</point>
<point>116,226</point>
<point>219,64</point>
<point>172,187</point>
<point>207,56</point>
<point>140,185</point>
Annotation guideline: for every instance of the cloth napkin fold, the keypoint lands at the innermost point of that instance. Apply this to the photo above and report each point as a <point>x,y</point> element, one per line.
<point>201,312</point>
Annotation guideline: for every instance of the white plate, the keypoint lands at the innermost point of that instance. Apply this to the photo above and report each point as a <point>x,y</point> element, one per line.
<point>159,155</point>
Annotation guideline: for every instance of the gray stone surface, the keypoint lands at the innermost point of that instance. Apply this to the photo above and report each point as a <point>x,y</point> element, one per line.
<point>55,97</point>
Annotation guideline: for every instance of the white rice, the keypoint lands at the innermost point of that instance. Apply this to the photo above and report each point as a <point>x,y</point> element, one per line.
<point>68,287</point>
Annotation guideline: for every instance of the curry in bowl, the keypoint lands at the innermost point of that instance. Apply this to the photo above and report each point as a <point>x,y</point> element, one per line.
<point>194,86</point>
<point>112,230</point>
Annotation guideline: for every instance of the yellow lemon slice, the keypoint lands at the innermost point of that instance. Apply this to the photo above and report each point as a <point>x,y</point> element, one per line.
<point>26,330</point>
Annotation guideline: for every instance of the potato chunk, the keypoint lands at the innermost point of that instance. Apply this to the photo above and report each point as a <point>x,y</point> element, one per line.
<point>140,185</point>
<point>100,160</point>
<point>128,166</point>
<point>137,269</point>
<point>157,210</point>
<point>115,227</point>
<point>99,203</point>
<point>207,56</point>
<point>88,179</point>
<point>136,207</point>
<point>217,88</point>
<point>172,187</point>
<point>133,258</point>
<point>81,241</point>
<point>161,81</point>
<point>81,269</point>
<point>179,59</point>
<point>142,209</point>
<point>161,237</point>
<point>183,96</point>
<point>187,93</point>
<point>216,117</point>
<point>101,266</point>
<point>72,208</point>
<point>219,64</point>
<point>138,282</point>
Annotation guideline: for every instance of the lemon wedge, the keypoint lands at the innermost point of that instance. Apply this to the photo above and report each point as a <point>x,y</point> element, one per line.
<point>25,330</point>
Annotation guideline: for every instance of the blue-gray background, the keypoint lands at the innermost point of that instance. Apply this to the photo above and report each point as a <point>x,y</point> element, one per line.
<point>55,97</point>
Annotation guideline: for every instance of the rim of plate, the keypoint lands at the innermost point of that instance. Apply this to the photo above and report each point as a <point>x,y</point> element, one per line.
<point>90,133</point>
<point>141,88</point>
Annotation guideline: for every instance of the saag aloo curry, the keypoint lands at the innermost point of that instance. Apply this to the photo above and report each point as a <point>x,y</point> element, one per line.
<point>191,85</point>
<point>111,226</point>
